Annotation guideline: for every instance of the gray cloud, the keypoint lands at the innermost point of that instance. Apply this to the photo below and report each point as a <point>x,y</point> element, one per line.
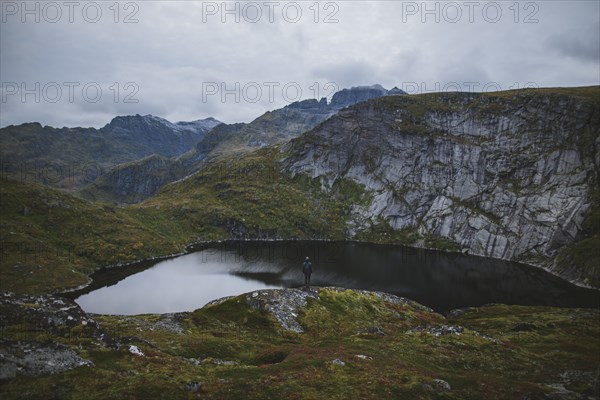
<point>580,44</point>
<point>176,49</point>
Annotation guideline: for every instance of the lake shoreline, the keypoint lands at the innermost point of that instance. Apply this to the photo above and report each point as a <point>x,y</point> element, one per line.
<point>110,275</point>
<point>200,245</point>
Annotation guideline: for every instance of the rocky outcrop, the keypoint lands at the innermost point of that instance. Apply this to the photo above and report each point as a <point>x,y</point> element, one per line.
<point>283,304</point>
<point>286,304</point>
<point>44,317</point>
<point>505,176</point>
<point>36,359</point>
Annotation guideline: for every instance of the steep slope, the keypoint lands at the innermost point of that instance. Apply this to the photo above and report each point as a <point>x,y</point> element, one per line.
<point>506,175</point>
<point>512,175</point>
<point>51,240</point>
<point>72,157</point>
<point>226,140</point>
<point>154,135</point>
<point>134,181</point>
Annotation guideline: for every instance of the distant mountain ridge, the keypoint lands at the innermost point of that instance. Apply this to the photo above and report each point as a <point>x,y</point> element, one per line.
<point>77,155</point>
<point>115,162</point>
<point>357,94</point>
<point>129,183</point>
<point>139,122</point>
<point>285,123</point>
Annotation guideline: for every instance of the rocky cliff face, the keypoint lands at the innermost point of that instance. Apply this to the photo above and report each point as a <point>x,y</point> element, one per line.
<point>505,176</point>
<point>133,182</point>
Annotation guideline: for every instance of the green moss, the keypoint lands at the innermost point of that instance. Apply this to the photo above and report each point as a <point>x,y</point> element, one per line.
<point>585,253</point>
<point>471,205</point>
<point>383,233</point>
<point>441,243</point>
<point>271,363</point>
<point>351,192</point>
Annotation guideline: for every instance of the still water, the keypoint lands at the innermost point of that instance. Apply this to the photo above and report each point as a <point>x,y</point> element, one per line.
<point>442,281</point>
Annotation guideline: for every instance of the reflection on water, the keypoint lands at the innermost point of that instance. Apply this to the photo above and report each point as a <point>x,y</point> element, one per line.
<point>183,283</point>
<point>442,281</point>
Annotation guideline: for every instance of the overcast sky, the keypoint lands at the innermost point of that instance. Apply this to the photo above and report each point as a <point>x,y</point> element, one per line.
<point>82,63</point>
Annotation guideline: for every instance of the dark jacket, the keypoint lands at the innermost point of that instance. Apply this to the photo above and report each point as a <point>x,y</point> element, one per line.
<point>307,267</point>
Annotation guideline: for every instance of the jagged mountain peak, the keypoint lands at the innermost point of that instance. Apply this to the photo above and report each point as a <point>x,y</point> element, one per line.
<point>203,124</point>
<point>138,121</point>
<point>357,94</point>
<point>395,91</point>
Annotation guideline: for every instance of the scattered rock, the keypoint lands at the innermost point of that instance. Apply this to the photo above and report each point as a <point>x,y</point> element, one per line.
<point>283,304</point>
<point>438,330</point>
<point>536,396</point>
<point>35,359</point>
<point>218,361</point>
<point>167,322</point>
<point>50,314</point>
<point>218,301</point>
<point>170,322</point>
<point>562,393</point>
<point>373,330</point>
<point>339,362</point>
<point>487,337</point>
<point>136,351</point>
<point>193,387</point>
<point>363,357</point>
<point>459,312</point>
<point>441,385</point>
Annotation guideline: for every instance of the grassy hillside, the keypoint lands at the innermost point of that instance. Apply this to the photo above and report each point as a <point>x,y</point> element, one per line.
<point>354,345</point>
<point>51,240</point>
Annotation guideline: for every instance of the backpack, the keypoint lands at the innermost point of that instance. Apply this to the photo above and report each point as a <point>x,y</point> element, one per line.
<point>307,267</point>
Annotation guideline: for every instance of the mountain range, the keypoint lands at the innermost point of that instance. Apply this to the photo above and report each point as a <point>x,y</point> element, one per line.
<point>136,181</point>
<point>71,157</point>
<point>132,157</point>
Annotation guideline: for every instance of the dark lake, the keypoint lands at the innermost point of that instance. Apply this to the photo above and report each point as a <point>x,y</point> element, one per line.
<point>442,281</point>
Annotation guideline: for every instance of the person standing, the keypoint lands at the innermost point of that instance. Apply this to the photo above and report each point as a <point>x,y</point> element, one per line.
<point>307,269</point>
